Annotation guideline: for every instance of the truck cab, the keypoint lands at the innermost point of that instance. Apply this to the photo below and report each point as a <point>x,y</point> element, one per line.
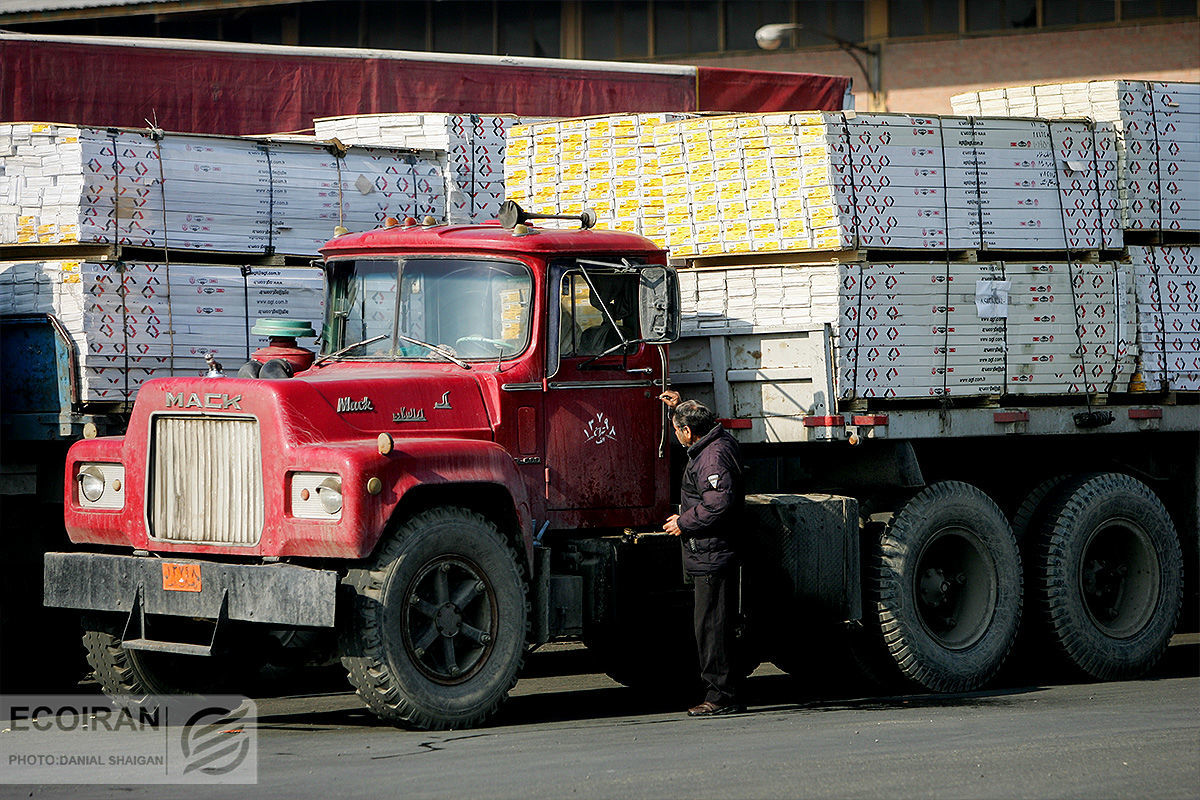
<point>480,391</point>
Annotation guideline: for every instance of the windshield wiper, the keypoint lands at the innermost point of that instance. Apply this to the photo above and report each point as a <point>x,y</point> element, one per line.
<point>435,349</point>
<point>350,347</point>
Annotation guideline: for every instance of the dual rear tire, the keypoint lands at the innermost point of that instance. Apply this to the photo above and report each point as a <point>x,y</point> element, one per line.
<point>1109,576</point>
<point>1102,587</point>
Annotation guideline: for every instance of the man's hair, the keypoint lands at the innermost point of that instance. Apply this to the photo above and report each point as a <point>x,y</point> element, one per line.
<point>698,417</point>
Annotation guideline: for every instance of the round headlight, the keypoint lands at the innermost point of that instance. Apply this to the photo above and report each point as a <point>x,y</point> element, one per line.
<point>329,492</point>
<point>91,484</point>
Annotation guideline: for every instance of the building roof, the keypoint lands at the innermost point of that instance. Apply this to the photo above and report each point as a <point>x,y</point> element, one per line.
<point>44,10</point>
<point>33,6</point>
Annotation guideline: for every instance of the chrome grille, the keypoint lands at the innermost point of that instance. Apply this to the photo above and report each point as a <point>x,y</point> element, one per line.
<point>206,484</point>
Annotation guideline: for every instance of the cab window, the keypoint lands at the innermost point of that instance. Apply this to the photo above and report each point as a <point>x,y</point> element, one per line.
<point>583,328</point>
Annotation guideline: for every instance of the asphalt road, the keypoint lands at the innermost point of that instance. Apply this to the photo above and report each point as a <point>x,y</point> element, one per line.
<point>580,735</point>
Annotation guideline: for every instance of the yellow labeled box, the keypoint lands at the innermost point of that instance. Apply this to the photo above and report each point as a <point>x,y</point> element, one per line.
<point>761,208</point>
<point>705,212</point>
<point>793,227</point>
<point>790,207</point>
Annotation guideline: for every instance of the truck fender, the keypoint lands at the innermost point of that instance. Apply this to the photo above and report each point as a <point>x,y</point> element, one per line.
<point>418,464</point>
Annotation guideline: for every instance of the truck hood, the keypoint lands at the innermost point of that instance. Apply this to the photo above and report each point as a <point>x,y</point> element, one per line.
<point>336,402</point>
<point>404,402</point>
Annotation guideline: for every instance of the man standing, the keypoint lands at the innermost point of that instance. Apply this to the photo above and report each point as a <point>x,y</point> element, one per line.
<point>710,511</point>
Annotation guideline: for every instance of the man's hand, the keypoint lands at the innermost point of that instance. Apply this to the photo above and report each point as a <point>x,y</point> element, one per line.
<point>671,526</point>
<point>670,398</point>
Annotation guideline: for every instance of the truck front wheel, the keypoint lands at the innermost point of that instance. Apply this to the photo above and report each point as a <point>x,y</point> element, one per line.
<point>948,588</point>
<point>436,633</point>
<point>1110,576</point>
<point>140,675</point>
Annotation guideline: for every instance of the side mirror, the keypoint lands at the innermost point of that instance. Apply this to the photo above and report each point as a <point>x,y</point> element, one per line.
<point>658,305</point>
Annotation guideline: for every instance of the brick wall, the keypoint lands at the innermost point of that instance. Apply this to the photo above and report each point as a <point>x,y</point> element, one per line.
<point>920,76</point>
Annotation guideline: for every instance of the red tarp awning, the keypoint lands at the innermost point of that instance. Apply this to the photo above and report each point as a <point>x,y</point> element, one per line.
<point>252,89</point>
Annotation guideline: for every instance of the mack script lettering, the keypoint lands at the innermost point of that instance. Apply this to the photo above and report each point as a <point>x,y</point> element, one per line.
<point>345,404</point>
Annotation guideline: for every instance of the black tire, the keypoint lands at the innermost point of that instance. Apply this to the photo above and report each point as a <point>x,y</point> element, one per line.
<point>1110,576</point>
<point>138,676</point>
<point>436,634</point>
<point>1028,516</point>
<point>1027,661</point>
<point>948,588</point>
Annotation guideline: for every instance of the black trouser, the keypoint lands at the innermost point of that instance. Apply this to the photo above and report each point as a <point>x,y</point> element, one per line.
<point>715,620</point>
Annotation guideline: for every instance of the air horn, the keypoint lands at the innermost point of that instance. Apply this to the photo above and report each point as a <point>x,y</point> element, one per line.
<point>512,215</point>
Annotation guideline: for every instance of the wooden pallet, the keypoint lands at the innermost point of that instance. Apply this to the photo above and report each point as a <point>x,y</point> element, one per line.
<point>150,255</point>
<point>800,258</point>
<point>867,405</point>
<point>1161,238</point>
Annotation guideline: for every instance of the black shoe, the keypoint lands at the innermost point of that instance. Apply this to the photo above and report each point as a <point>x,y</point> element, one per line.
<point>711,709</point>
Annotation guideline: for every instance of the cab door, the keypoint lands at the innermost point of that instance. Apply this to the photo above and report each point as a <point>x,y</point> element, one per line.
<point>605,448</point>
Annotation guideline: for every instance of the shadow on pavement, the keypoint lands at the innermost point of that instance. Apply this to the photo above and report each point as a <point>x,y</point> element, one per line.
<point>772,693</point>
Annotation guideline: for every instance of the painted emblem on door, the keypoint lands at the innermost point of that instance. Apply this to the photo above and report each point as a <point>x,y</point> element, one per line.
<point>600,430</point>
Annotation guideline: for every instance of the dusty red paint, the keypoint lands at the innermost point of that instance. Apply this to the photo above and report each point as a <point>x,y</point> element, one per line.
<point>595,442</point>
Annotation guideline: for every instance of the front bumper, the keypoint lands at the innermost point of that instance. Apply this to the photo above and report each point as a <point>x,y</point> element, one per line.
<point>276,594</point>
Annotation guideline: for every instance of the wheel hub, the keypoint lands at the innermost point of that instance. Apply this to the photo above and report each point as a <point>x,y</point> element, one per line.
<point>1119,578</point>
<point>935,589</point>
<point>448,620</point>
<point>955,587</point>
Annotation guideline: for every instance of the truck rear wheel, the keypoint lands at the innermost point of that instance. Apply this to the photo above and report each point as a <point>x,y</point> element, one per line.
<point>1110,576</point>
<point>948,588</point>
<point>437,632</point>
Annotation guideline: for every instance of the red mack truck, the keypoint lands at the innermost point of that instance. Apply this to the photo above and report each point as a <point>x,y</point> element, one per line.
<point>477,462</point>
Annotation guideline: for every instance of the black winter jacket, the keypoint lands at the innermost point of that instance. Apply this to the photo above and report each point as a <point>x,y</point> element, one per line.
<point>711,503</point>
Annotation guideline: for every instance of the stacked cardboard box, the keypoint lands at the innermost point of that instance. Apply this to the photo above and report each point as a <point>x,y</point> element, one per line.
<point>1071,327</point>
<point>756,299</point>
<point>933,329</point>
<point>825,181</point>
<point>134,321</point>
<point>1158,139</point>
<point>471,150</point>
<point>607,164</point>
<point>65,184</point>
<point>909,182</point>
<point>732,185</point>
<point>1168,298</point>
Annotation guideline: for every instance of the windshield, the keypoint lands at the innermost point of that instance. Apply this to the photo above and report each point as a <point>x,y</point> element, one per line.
<point>470,308</point>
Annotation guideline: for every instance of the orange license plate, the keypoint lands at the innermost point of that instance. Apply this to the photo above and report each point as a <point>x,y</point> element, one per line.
<point>181,577</point>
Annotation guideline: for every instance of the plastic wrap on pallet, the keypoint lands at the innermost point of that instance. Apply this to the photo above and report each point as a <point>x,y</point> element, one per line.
<point>133,321</point>
<point>64,184</point>
<point>471,150</point>
<point>1157,128</point>
<point>770,183</point>
<point>911,330</point>
<point>1168,301</point>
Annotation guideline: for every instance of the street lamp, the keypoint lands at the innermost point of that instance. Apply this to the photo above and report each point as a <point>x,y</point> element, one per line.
<point>770,37</point>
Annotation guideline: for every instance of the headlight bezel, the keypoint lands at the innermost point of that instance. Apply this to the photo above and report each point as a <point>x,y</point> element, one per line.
<point>316,496</point>
<point>100,486</point>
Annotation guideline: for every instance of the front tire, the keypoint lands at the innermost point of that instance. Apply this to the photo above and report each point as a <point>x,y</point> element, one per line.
<point>1110,576</point>
<point>139,676</point>
<point>436,634</point>
<point>948,588</point>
